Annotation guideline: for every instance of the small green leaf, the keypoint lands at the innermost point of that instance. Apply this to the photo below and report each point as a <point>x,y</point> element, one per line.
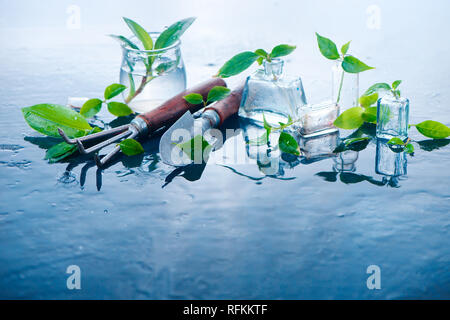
<point>119,109</point>
<point>194,98</point>
<point>370,115</point>
<point>344,48</point>
<point>113,90</point>
<point>47,118</point>
<point>288,144</point>
<point>409,148</point>
<point>260,141</point>
<point>262,53</point>
<point>354,65</point>
<point>396,141</point>
<point>377,87</point>
<point>237,64</point>
<point>195,146</point>
<point>165,67</point>
<point>281,50</point>
<point>260,60</point>
<point>350,119</point>
<point>60,151</point>
<point>173,33</point>
<point>327,47</point>
<point>348,142</point>
<point>217,93</point>
<point>131,147</point>
<point>140,33</point>
<point>124,41</point>
<point>367,101</point>
<point>355,144</point>
<point>433,129</point>
<point>396,83</point>
<point>91,107</point>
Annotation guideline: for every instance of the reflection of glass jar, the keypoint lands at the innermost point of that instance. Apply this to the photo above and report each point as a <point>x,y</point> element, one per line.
<point>319,147</point>
<point>345,161</point>
<point>390,162</point>
<point>268,92</point>
<point>392,117</point>
<point>151,76</point>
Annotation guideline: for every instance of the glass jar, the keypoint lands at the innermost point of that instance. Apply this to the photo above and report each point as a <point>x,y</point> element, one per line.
<point>268,92</point>
<point>317,119</point>
<point>319,147</point>
<point>344,87</point>
<point>151,76</point>
<point>392,117</point>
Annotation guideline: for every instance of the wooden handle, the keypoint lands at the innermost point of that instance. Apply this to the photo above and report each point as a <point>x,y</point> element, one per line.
<point>167,113</point>
<point>228,106</point>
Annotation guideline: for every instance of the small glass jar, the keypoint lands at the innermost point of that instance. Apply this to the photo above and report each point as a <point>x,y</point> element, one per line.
<point>392,117</point>
<point>317,119</point>
<point>268,92</point>
<point>389,162</point>
<point>151,76</point>
<point>344,87</point>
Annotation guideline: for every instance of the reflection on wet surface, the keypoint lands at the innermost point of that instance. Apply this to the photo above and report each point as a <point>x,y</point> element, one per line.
<point>258,224</point>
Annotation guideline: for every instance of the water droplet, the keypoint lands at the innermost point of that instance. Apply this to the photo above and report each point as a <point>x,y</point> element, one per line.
<point>105,211</point>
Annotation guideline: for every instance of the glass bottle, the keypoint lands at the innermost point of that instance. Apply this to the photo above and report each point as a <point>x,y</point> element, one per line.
<point>151,76</point>
<point>271,93</point>
<point>392,117</point>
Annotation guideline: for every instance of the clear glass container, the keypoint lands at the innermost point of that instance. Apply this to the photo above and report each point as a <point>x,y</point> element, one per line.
<point>389,162</point>
<point>151,76</point>
<point>344,87</point>
<point>271,93</point>
<point>345,161</point>
<point>392,117</point>
<point>317,119</point>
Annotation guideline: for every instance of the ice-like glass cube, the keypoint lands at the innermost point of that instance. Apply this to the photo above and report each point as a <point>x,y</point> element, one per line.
<point>392,117</point>
<point>317,119</point>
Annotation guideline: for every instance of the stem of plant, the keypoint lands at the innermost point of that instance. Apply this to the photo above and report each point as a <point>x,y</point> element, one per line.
<point>145,79</point>
<point>340,86</point>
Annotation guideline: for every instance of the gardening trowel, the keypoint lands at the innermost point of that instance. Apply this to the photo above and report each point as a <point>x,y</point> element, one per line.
<point>188,136</point>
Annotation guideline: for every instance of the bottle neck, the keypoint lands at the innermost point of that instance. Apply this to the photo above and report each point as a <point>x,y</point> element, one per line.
<point>274,68</point>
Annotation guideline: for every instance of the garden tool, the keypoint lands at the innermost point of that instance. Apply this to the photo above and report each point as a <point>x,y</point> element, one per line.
<point>146,124</point>
<point>188,127</point>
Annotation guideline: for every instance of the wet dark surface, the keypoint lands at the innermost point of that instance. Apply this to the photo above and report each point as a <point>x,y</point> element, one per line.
<point>139,229</point>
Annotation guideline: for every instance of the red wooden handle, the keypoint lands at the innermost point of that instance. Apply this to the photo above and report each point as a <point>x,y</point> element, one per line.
<point>167,113</point>
<point>228,106</point>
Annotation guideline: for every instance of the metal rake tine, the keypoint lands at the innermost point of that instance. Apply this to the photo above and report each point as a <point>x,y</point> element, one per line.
<point>104,143</point>
<point>91,136</point>
<point>102,161</point>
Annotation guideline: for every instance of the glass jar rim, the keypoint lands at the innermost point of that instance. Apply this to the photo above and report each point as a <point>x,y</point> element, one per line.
<point>154,33</point>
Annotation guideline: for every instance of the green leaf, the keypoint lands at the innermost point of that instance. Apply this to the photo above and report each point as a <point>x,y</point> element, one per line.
<point>350,119</point>
<point>140,33</point>
<point>355,144</point>
<point>217,93</point>
<point>396,83</point>
<point>282,50</point>
<point>47,118</point>
<point>131,147</point>
<point>194,98</point>
<point>354,65</point>
<point>165,67</point>
<point>370,115</point>
<point>348,142</point>
<point>119,109</point>
<point>113,90</point>
<point>396,141</point>
<point>262,53</point>
<point>367,101</point>
<point>60,151</point>
<point>433,129</point>
<point>288,144</point>
<point>124,41</point>
<point>344,48</point>
<point>327,47</point>
<point>237,64</point>
<point>173,33</point>
<point>377,87</point>
<point>260,141</point>
<point>260,60</point>
<point>194,146</point>
<point>409,148</point>
<point>91,107</point>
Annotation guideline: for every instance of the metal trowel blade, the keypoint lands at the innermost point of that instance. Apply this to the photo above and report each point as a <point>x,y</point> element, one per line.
<point>169,152</point>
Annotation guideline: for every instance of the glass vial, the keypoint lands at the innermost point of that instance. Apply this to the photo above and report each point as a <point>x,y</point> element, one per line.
<point>392,117</point>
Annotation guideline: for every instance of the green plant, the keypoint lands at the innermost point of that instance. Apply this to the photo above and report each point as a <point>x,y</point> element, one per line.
<point>167,38</point>
<point>91,107</point>
<point>215,94</point>
<point>349,63</point>
<point>244,60</point>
